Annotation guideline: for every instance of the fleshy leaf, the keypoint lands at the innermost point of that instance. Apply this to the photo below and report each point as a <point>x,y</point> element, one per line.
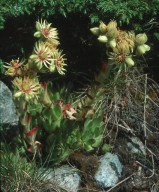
<point>31,132</point>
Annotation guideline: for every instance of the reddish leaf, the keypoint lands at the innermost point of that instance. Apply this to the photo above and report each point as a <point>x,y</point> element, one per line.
<point>44,85</point>
<point>31,132</point>
<point>67,106</point>
<point>28,118</point>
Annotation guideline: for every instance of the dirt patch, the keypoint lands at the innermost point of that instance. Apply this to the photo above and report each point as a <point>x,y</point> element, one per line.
<point>140,172</point>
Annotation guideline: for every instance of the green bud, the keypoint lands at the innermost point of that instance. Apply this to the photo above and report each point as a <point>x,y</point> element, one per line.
<point>46,98</point>
<point>37,34</point>
<point>52,68</point>
<point>141,38</point>
<point>33,57</point>
<point>102,27</point>
<point>141,49</point>
<point>102,39</point>
<point>147,48</point>
<point>112,33</point>
<point>18,94</point>
<point>95,31</point>
<point>112,43</point>
<point>39,66</point>
<point>129,61</point>
<point>38,27</point>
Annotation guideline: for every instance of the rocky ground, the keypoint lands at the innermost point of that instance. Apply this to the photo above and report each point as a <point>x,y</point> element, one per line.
<point>132,133</point>
<point>140,172</point>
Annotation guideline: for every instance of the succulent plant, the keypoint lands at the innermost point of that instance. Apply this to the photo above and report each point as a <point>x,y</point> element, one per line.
<point>92,133</point>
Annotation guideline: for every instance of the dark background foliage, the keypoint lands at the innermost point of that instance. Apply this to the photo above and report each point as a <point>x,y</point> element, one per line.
<point>73,19</point>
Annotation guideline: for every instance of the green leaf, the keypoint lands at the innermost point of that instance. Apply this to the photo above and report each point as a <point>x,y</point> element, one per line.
<point>88,148</point>
<point>50,139</point>
<point>87,123</point>
<point>85,137</point>
<point>50,127</point>
<point>99,130</point>
<point>46,113</point>
<point>57,112</point>
<point>34,109</point>
<point>98,141</point>
<point>106,148</point>
<point>157,36</point>
<point>95,124</point>
<point>56,96</point>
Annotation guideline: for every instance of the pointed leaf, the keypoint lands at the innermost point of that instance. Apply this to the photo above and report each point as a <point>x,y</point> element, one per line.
<point>31,132</point>
<point>98,141</point>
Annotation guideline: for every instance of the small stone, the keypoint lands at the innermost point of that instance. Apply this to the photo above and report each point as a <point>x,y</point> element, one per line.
<point>136,146</point>
<point>109,170</point>
<point>65,177</point>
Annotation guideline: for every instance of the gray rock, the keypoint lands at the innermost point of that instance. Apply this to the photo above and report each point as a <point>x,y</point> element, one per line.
<point>7,107</point>
<point>136,146</point>
<point>65,177</point>
<point>109,170</point>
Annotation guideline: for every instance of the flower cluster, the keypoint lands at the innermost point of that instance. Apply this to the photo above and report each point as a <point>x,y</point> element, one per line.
<point>46,56</point>
<point>122,43</point>
<point>32,96</point>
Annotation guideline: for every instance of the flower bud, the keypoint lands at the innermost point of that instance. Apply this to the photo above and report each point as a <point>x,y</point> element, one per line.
<point>129,61</point>
<point>37,34</point>
<point>112,43</point>
<point>102,27</point>
<point>102,39</point>
<point>52,68</point>
<point>39,65</point>
<point>141,38</point>
<point>38,27</point>
<point>147,48</point>
<point>46,98</point>
<point>95,31</point>
<point>140,50</point>
<point>18,94</point>
<point>111,24</point>
<point>112,33</point>
<point>33,56</point>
